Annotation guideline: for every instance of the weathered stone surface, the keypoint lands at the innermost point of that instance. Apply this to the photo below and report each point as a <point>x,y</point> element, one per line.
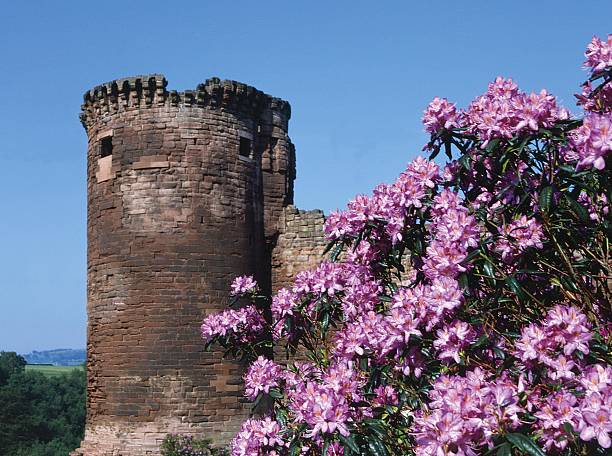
<point>299,246</point>
<point>176,209</point>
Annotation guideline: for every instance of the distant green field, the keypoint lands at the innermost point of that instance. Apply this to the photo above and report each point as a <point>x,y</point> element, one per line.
<point>52,370</point>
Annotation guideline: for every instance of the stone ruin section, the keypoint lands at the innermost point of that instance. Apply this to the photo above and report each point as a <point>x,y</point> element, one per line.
<point>185,191</point>
<point>299,245</point>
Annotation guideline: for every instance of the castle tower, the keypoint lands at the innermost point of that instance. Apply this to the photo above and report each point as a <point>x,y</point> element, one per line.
<point>185,191</point>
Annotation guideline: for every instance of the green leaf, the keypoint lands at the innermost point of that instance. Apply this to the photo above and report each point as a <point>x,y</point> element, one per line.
<point>545,199</point>
<point>349,443</point>
<point>492,145</point>
<point>481,341</point>
<point>326,447</point>
<point>377,447</point>
<point>295,449</point>
<point>329,246</point>
<point>447,150</point>
<point>515,287</point>
<point>281,417</point>
<point>569,284</point>
<point>376,427</point>
<point>578,209</point>
<point>257,401</point>
<point>337,250</point>
<point>276,394</point>
<point>567,168</point>
<point>325,322</point>
<point>525,444</point>
<point>504,450</point>
<point>435,153</point>
<point>488,269</point>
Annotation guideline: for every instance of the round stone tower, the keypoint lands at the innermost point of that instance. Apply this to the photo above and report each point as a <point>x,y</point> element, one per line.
<point>185,190</point>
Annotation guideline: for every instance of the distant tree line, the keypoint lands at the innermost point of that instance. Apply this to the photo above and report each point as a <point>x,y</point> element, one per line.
<point>57,357</point>
<point>39,415</point>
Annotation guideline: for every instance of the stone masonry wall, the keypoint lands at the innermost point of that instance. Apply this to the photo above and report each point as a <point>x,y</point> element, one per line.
<point>299,246</point>
<point>183,189</point>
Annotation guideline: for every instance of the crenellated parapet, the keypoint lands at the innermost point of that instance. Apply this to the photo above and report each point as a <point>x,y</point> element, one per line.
<point>144,91</point>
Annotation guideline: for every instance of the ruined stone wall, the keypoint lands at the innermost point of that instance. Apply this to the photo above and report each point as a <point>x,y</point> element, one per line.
<point>183,189</point>
<point>299,246</point>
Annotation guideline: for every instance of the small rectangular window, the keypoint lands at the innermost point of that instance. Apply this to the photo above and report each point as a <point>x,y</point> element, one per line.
<point>245,147</point>
<point>106,145</point>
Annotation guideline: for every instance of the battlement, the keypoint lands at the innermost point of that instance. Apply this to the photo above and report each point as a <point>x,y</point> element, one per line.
<point>144,91</point>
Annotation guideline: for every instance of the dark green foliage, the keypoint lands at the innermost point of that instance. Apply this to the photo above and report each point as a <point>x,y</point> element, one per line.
<point>186,445</point>
<point>39,415</point>
<point>10,363</point>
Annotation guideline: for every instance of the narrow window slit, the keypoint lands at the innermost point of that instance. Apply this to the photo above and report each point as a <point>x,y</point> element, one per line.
<point>245,147</point>
<point>106,146</point>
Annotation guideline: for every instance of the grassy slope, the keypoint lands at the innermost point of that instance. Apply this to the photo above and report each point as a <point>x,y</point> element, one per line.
<point>52,370</point>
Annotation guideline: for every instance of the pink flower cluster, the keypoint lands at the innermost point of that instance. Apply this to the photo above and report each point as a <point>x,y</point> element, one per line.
<point>453,232</point>
<point>262,375</point>
<point>564,331</point>
<point>385,336</point>
<point>322,399</point>
<point>599,54</point>
<point>553,344</point>
<point>393,327</point>
<point>503,112</point>
<point>465,413</point>
<point>440,115</point>
<point>431,303</point>
<point>243,285</point>
<point>593,140</point>
<point>242,325</point>
<point>328,278</point>
<point>590,415</point>
<point>389,204</point>
<point>518,236</point>
<point>351,283</point>
<point>452,339</point>
<point>258,437</point>
<point>283,304</point>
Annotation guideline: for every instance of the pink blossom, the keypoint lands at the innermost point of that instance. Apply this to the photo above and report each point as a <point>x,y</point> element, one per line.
<point>262,375</point>
<point>593,140</point>
<point>599,425</point>
<point>323,403</point>
<point>440,114</point>
<point>243,285</point>
<point>257,437</point>
<point>555,411</point>
<point>283,304</point>
<point>518,236</point>
<point>243,325</point>
<point>599,54</point>
<point>467,412</point>
<point>503,111</point>
<point>564,330</point>
<point>452,339</point>
<point>597,378</point>
<point>388,206</point>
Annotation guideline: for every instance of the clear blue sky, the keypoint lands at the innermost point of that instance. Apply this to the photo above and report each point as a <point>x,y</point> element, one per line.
<point>358,75</point>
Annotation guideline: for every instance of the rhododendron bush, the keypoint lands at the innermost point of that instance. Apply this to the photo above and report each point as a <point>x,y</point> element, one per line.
<point>464,309</point>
